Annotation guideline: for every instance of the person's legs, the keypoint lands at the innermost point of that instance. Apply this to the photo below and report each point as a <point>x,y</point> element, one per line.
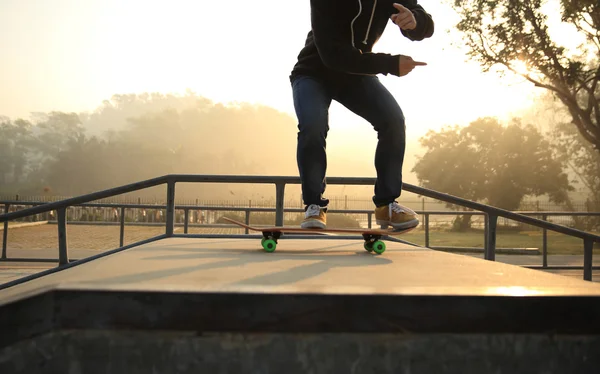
<point>368,98</point>
<point>312,99</point>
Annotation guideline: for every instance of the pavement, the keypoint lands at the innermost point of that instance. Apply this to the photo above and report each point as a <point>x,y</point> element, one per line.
<point>224,305</point>
<point>300,264</point>
<point>14,270</point>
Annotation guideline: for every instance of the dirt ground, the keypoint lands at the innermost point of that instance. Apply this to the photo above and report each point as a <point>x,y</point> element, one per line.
<point>90,237</point>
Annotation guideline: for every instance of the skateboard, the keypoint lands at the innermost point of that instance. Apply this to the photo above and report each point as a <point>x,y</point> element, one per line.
<point>372,237</point>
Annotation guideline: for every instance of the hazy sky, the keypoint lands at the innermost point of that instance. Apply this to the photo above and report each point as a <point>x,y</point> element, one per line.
<point>69,55</point>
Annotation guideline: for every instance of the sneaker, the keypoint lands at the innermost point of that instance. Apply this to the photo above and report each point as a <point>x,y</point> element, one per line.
<point>315,217</point>
<point>397,216</point>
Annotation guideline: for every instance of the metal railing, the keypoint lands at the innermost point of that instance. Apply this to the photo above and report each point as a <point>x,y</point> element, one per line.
<point>490,213</point>
<point>185,222</point>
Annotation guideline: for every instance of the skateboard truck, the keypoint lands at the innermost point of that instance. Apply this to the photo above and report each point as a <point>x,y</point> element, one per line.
<point>269,240</point>
<point>373,243</point>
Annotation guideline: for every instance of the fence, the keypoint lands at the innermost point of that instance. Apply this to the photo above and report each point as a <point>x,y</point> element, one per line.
<point>337,202</point>
<point>208,216</point>
<point>491,214</point>
<point>151,210</point>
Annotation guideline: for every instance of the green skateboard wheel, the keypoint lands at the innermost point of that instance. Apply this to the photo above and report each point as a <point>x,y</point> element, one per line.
<point>269,245</point>
<point>369,246</point>
<point>379,247</point>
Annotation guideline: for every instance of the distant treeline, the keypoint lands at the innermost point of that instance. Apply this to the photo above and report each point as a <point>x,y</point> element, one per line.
<point>136,137</point>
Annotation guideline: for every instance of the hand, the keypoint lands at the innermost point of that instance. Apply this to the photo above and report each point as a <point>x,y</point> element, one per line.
<point>405,19</point>
<point>407,64</point>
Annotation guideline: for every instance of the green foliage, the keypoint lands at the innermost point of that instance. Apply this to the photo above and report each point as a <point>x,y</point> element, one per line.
<point>155,135</point>
<point>502,33</point>
<point>16,140</point>
<point>488,162</point>
<point>584,161</point>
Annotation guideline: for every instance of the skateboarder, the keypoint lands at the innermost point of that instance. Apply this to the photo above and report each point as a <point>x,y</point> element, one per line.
<point>337,63</point>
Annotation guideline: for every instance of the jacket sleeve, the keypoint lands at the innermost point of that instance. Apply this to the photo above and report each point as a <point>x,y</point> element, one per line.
<point>425,25</point>
<point>334,44</point>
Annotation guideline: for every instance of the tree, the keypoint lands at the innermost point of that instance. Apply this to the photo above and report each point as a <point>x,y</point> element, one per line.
<point>581,158</point>
<point>55,130</point>
<point>488,162</point>
<point>136,137</point>
<point>515,34</point>
<point>82,166</point>
<point>16,143</point>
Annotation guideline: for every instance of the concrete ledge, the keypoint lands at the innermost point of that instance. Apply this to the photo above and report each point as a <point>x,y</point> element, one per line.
<point>63,308</point>
<point>130,352</point>
<point>224,305</point>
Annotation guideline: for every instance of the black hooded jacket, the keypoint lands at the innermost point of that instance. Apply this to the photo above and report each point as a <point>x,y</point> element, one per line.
<point>343,34</point>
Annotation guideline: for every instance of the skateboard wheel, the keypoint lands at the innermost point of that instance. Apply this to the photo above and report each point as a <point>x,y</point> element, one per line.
<point>379,247</point>
<point>369,246</point>
<point>269,245</point>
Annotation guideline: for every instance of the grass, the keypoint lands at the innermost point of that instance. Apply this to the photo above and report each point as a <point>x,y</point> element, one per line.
<point>557,243</point>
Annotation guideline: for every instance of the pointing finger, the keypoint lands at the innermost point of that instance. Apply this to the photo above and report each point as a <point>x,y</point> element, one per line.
<point>419,63</point>
<point>401,8</point>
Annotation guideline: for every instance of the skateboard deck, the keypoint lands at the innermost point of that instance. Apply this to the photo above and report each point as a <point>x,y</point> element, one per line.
<point>372,237</point>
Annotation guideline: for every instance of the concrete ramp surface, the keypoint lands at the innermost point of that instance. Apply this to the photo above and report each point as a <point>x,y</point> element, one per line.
<point>313,306</point>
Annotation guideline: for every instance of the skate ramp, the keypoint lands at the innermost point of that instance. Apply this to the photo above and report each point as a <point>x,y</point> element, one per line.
<point>223,305</point>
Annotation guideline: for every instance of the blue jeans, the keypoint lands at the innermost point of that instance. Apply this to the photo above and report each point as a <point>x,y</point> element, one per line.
<point>369,99</point>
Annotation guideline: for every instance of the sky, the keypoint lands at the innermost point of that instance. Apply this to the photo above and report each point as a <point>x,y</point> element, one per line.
<point>70,55</point>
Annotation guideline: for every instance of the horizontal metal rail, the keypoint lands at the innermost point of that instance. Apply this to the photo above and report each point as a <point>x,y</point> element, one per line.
<point>263,209</point>
<point>491,213</point>
<point>280,180</point>
<point>78,262</point>
<point>248,210</point>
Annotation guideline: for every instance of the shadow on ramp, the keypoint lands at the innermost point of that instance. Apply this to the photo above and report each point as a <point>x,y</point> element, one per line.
<point>313,262</point>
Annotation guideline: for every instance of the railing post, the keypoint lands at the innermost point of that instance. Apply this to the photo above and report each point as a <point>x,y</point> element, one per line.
<point>63,255</point>
<point>427,230</point>
<point>186,218</point>
<point>588,246</point>
<point>370,220</point>
<point>486,224</point>
<point>170,222</point>
<point>490,248</point>
<point>122,228</point>
<point>247,220</point>
<point>5,233</point>
<point>545,243</point>
<point>279,192</point>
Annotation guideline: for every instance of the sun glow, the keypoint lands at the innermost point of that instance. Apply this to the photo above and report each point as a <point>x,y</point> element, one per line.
<point>189,44</point>
<point>522,68</point>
